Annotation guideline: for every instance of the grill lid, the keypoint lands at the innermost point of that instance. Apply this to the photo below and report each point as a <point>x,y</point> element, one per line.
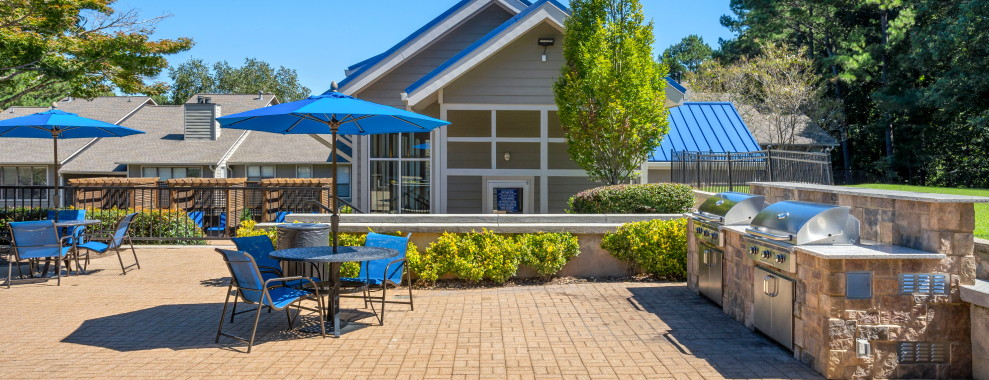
<point>798,222</point>
<point>730,208</point>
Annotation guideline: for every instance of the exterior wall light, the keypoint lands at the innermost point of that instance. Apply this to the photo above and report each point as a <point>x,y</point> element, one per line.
<point>508,156</point>
<point>546,43</point>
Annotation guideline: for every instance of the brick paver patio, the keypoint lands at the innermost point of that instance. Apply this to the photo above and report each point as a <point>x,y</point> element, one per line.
<point>160,321</point>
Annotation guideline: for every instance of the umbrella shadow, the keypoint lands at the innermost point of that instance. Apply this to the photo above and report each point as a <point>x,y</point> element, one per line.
<point>183,327</point>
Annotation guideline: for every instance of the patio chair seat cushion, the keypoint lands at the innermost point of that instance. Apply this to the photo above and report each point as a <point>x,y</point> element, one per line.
<point>95,246</point>
<point>283,296</point>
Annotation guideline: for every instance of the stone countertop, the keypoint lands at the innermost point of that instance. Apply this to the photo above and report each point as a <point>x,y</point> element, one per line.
<point>977,294</point>
<point>867,250</point>
<point>889,194</point>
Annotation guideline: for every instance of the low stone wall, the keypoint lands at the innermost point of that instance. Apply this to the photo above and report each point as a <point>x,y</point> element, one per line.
<point>593,260</point>
<point>982,258</point>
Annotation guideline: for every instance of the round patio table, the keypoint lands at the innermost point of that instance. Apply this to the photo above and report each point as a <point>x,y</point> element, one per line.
<point>318,255</point>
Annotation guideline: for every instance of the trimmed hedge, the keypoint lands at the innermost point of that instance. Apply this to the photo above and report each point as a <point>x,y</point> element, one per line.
<point>658,247</point>
<point>652,198</point>
<point>476,256</point>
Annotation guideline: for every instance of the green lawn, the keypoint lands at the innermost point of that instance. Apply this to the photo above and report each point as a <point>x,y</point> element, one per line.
<point>981,209</point>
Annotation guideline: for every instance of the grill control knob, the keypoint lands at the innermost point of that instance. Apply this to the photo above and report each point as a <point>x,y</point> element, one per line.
<point>767,254</point>
<point>707,233</point>
<point>754,250</point>
<point>698,229</point>
<point>780,258</point>
<point>714,235</point>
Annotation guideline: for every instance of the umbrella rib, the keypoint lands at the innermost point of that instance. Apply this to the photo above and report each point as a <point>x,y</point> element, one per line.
<point>359,127</point>
<point>238,121</point>
<point>293,125</point>
<point>414,124</point>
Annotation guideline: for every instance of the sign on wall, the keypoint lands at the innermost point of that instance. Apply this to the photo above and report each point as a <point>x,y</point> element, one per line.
<point>508,200</point>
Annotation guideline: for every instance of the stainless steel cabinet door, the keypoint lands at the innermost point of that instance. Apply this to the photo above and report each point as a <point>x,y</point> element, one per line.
<point>716,277</point>
<point>783,312</point>
<point>763,302</point>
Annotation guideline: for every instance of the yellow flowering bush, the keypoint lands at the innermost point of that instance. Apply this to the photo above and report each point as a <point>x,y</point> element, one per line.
<point>547,253</point>
<point>657,247</point>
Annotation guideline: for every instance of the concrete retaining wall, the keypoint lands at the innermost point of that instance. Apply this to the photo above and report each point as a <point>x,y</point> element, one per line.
<point>593,260</point>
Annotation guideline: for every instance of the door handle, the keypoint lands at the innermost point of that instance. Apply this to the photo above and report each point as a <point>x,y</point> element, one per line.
<point>765,285</point>
<point>707,257</point>
<point>776,287</point>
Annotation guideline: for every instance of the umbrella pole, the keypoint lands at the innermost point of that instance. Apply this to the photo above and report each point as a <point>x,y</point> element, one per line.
<point>335,218</point>
<point>58,199</point>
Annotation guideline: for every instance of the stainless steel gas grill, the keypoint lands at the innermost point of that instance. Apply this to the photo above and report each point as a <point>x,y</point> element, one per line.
<point>728,208</point>
<point>778,228</point>
<point>724,209</point>
<point>771,239</point>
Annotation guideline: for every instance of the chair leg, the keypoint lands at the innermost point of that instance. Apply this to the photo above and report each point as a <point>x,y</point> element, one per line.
<point>10,270</point>
<point>234,312</point>
<point>319,313</point>
<point>58,271</point>
<point>219,329</point>
<point>121,260</point>
<point>408,283</point>
<point>254,331</point>
<point>133,251</point>
<point>384,295</point>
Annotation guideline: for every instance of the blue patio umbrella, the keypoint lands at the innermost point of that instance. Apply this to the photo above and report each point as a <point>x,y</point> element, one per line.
<point>335,114</point>
<point>55,124</point>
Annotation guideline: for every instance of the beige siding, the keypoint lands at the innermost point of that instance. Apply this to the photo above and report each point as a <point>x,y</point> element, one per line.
<point>562,188</point>
<point>522,155</point>
<point>388,88</point>
<point>464,195</point>
<point>518,123</point>
<point>469,155</point>
<point>469,123</point>
<point>559,158</point>
<point>514,75</point>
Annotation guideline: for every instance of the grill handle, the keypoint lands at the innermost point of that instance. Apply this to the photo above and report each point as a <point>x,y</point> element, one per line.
<point>767,235</point>
<point>702,216</point>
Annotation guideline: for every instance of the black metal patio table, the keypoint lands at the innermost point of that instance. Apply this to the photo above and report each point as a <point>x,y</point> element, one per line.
<point>318,255</point>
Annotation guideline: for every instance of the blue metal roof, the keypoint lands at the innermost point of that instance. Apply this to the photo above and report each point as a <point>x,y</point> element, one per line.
<point>705,127</point>
<point>482,41</point>
<point>674,84</point>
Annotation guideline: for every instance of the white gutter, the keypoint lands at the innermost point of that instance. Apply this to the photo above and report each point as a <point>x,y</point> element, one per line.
<point>230,152</point>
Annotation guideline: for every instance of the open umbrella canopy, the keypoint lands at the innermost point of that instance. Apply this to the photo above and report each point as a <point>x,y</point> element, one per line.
<point>316,114</point>
<point>61,124</point>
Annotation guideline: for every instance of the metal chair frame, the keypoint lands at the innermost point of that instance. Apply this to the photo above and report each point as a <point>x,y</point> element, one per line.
<point>14,259</point>
<point>266,286</point>
<point>383,288</point>
<point>107,235</point>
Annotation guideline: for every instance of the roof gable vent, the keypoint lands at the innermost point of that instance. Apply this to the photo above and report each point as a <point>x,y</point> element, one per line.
<point>200,120</point>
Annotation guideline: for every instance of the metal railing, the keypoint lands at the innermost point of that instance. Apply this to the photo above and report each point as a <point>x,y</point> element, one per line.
<point>732,171</point>
<point>176,214</point>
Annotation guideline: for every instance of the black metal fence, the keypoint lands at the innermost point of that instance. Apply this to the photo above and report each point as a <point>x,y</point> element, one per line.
<point>728,171</point>
<point>167,214</point>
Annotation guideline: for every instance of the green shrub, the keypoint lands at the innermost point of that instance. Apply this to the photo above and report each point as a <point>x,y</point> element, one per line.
<point>652,198</point>
<point>147,223</point>
<point>547,253</point>
<point>473,256</point>
<point>657,247</point>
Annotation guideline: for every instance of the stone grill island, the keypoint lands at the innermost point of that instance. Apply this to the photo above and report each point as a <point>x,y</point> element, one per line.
<point>889,306</point>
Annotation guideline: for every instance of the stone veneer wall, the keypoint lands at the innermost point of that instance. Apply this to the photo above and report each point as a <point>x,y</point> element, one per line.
<point>826,324</point>
<point>982,259</point>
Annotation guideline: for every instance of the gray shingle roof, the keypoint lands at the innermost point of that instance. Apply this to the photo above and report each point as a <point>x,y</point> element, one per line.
<point>807,133</point>
<point>163,142</point>
<point>261,147</point>
<point>110,109</point>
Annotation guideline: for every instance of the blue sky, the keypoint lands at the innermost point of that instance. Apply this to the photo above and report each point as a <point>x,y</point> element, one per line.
<point>321,38</point>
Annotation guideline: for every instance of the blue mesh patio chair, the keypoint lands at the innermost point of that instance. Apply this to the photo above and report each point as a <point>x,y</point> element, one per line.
<point>74,233</point>
<point>248,285</point>
<point>280,216</point>
<point>32,241</point>
<point>259,247</point>
<point>197,217</point>
<point>103,241</point>
<point>378,275</point>
<point>220,227</point>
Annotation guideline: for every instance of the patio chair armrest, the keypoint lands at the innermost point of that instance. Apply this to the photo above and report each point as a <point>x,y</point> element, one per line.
<point>292,278</point>
<point>270,269</point>
<point>402,260</point>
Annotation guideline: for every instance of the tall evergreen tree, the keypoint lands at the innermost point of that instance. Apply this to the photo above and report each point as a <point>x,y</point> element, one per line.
<point>610,93</point>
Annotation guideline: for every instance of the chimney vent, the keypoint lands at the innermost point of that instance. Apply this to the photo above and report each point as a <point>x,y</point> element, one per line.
<point>260,95</point>
<point>200,120</point>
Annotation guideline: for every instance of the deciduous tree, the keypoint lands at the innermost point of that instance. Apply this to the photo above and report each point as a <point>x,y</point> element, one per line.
<point>195,76</point>
<point>84,48</point>
<point>610,93</point>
